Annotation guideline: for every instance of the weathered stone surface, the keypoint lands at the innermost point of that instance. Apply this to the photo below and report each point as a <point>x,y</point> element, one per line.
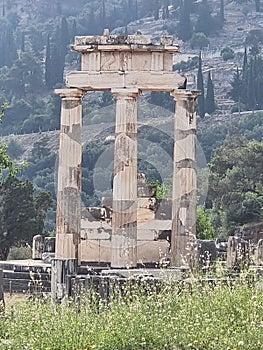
<point>124,216</point>
<point>48,257</point>
<point>184,179</point>
<point>61,268</point>
<point>153,252</point>
<point>96,250</point>
<point>2,299</point>
<point>69,175</point>
<point>146,235</point>
<point>49,244</point>
<point>206,251</point>
<point>237,251</point>
<point>145,81</point>
<point>121,42</point>
<point>37,247</point>
<point>259,253</point>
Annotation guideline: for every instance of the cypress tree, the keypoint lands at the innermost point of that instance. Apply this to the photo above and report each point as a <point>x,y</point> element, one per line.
<point>73,30</point>
<point>136,10</point>
<point>48,66</point>
<point>257,5</point>
<point>210,96</point>
<point>103,12</point>
<point>156,10</point>
<point>244,90</point>
<point>236,84</point>
<point>58,7</point>
<point>184,29</point>
<point>200,87</point>
<point>65,38</point>
<point>222,13</point>
<point>251,93</point>
<point>3,9</point>
<point>10,54</point>
<point>244,66</point>
<point>23,42</point>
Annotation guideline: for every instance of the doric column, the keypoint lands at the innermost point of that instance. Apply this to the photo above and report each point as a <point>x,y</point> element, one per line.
<point>124,217</point>
<point>69,175</point>
<point>184,179</point>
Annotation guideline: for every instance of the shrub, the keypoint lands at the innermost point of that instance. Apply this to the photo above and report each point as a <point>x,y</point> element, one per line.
<point>227,53</point>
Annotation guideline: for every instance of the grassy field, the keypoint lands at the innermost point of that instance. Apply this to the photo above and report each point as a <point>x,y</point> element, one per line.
<point>189,316</point>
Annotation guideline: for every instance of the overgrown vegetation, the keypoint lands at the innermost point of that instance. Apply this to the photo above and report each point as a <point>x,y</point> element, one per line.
<point>189,315</point>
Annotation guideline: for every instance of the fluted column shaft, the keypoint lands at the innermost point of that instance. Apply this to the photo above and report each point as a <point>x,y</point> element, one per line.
<point>184,179</point>
<point>124,218</point>
<point>68,224</point>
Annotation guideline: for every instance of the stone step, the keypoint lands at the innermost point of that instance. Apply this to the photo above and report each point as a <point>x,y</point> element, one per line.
<point>35,266</point>
<point>25,285</point>
<point>33,276</point>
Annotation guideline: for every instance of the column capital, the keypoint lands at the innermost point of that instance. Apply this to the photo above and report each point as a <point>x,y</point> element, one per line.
<point>186,95</point>
<point>126,93</point>
<point>70,94</point>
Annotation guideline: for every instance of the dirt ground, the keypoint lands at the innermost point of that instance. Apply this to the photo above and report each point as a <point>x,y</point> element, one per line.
<point>14,298</point>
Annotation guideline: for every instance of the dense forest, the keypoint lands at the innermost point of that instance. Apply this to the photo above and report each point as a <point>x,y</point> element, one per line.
<point>35,39</point>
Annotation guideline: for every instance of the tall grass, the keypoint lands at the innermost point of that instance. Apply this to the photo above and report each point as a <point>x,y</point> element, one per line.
<point>188,316</point>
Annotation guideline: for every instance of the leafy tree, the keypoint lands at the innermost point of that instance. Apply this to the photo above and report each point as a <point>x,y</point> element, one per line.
<point>204,228</point>
<point>199,40</point>
<point>200,87</point>
<point>40,150</point>
<point>254,40</point>
<point>107,99</point>
<point>43,202</point>
<point>24,77</point>
<point>184,66</point>
<point>5,160</point>
<point>227,53</point>
<point>21,214</point>
<point>210,96</point>
<point>236,180</point>
<point>162,99</point>
<point>14,149</point>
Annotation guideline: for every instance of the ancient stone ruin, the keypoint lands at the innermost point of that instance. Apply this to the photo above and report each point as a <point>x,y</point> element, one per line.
<point>126,66</point>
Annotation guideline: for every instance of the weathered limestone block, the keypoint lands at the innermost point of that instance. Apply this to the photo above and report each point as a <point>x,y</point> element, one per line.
<point>146,235</point>
<point>96,250</point>
<point>144,80</point>
<point>152,252</point>
<point>96,233</point>
<point>37,247</point>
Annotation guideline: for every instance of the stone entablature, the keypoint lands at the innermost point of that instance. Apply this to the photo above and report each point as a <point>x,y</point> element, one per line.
<point>112,53</point>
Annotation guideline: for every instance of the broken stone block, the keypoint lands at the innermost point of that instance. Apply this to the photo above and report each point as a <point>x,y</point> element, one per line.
<point>49,244</point>
<point>37,248</point>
